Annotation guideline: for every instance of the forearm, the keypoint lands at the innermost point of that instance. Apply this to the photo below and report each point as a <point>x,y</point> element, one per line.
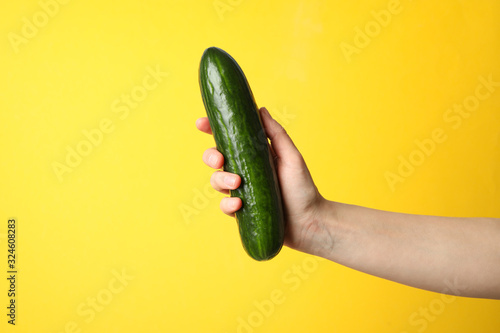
<point>458,256</point>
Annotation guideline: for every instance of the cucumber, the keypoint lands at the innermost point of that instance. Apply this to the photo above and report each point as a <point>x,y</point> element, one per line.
<point>240,137</point>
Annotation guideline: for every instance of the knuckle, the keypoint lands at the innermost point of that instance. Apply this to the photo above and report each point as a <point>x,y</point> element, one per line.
<point>214,179</point>
<point>223,205</point>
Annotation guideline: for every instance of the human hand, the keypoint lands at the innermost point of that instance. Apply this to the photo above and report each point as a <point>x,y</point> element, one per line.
<point>302,202</point>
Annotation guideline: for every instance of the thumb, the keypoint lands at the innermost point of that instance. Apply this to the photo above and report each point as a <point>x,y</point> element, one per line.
<point>281,142</point>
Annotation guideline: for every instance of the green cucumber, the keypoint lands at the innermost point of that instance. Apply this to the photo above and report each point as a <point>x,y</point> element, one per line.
<point>240,137</point>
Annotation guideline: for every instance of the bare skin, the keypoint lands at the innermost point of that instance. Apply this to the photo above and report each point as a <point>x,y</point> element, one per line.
<point>458,256</point>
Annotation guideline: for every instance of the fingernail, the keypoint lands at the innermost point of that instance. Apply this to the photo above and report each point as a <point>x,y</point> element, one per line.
<point>229,181</point>
<point>265,111</point>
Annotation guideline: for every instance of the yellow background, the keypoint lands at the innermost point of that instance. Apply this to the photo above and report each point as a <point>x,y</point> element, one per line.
<point>139,203</point>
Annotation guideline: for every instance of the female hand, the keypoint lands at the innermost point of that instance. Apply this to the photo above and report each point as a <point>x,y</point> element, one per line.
<point>302,202</point>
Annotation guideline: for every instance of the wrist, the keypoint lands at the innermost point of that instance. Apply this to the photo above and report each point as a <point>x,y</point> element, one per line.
<point>323,235</point>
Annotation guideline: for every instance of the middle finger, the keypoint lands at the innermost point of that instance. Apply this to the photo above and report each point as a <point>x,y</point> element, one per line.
<point>223,181</point>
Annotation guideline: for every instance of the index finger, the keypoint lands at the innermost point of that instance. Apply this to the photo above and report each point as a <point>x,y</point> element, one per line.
<point>203,125</point>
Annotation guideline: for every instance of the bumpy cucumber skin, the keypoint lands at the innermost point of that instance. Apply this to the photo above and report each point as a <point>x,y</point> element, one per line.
<point>240,137</point>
